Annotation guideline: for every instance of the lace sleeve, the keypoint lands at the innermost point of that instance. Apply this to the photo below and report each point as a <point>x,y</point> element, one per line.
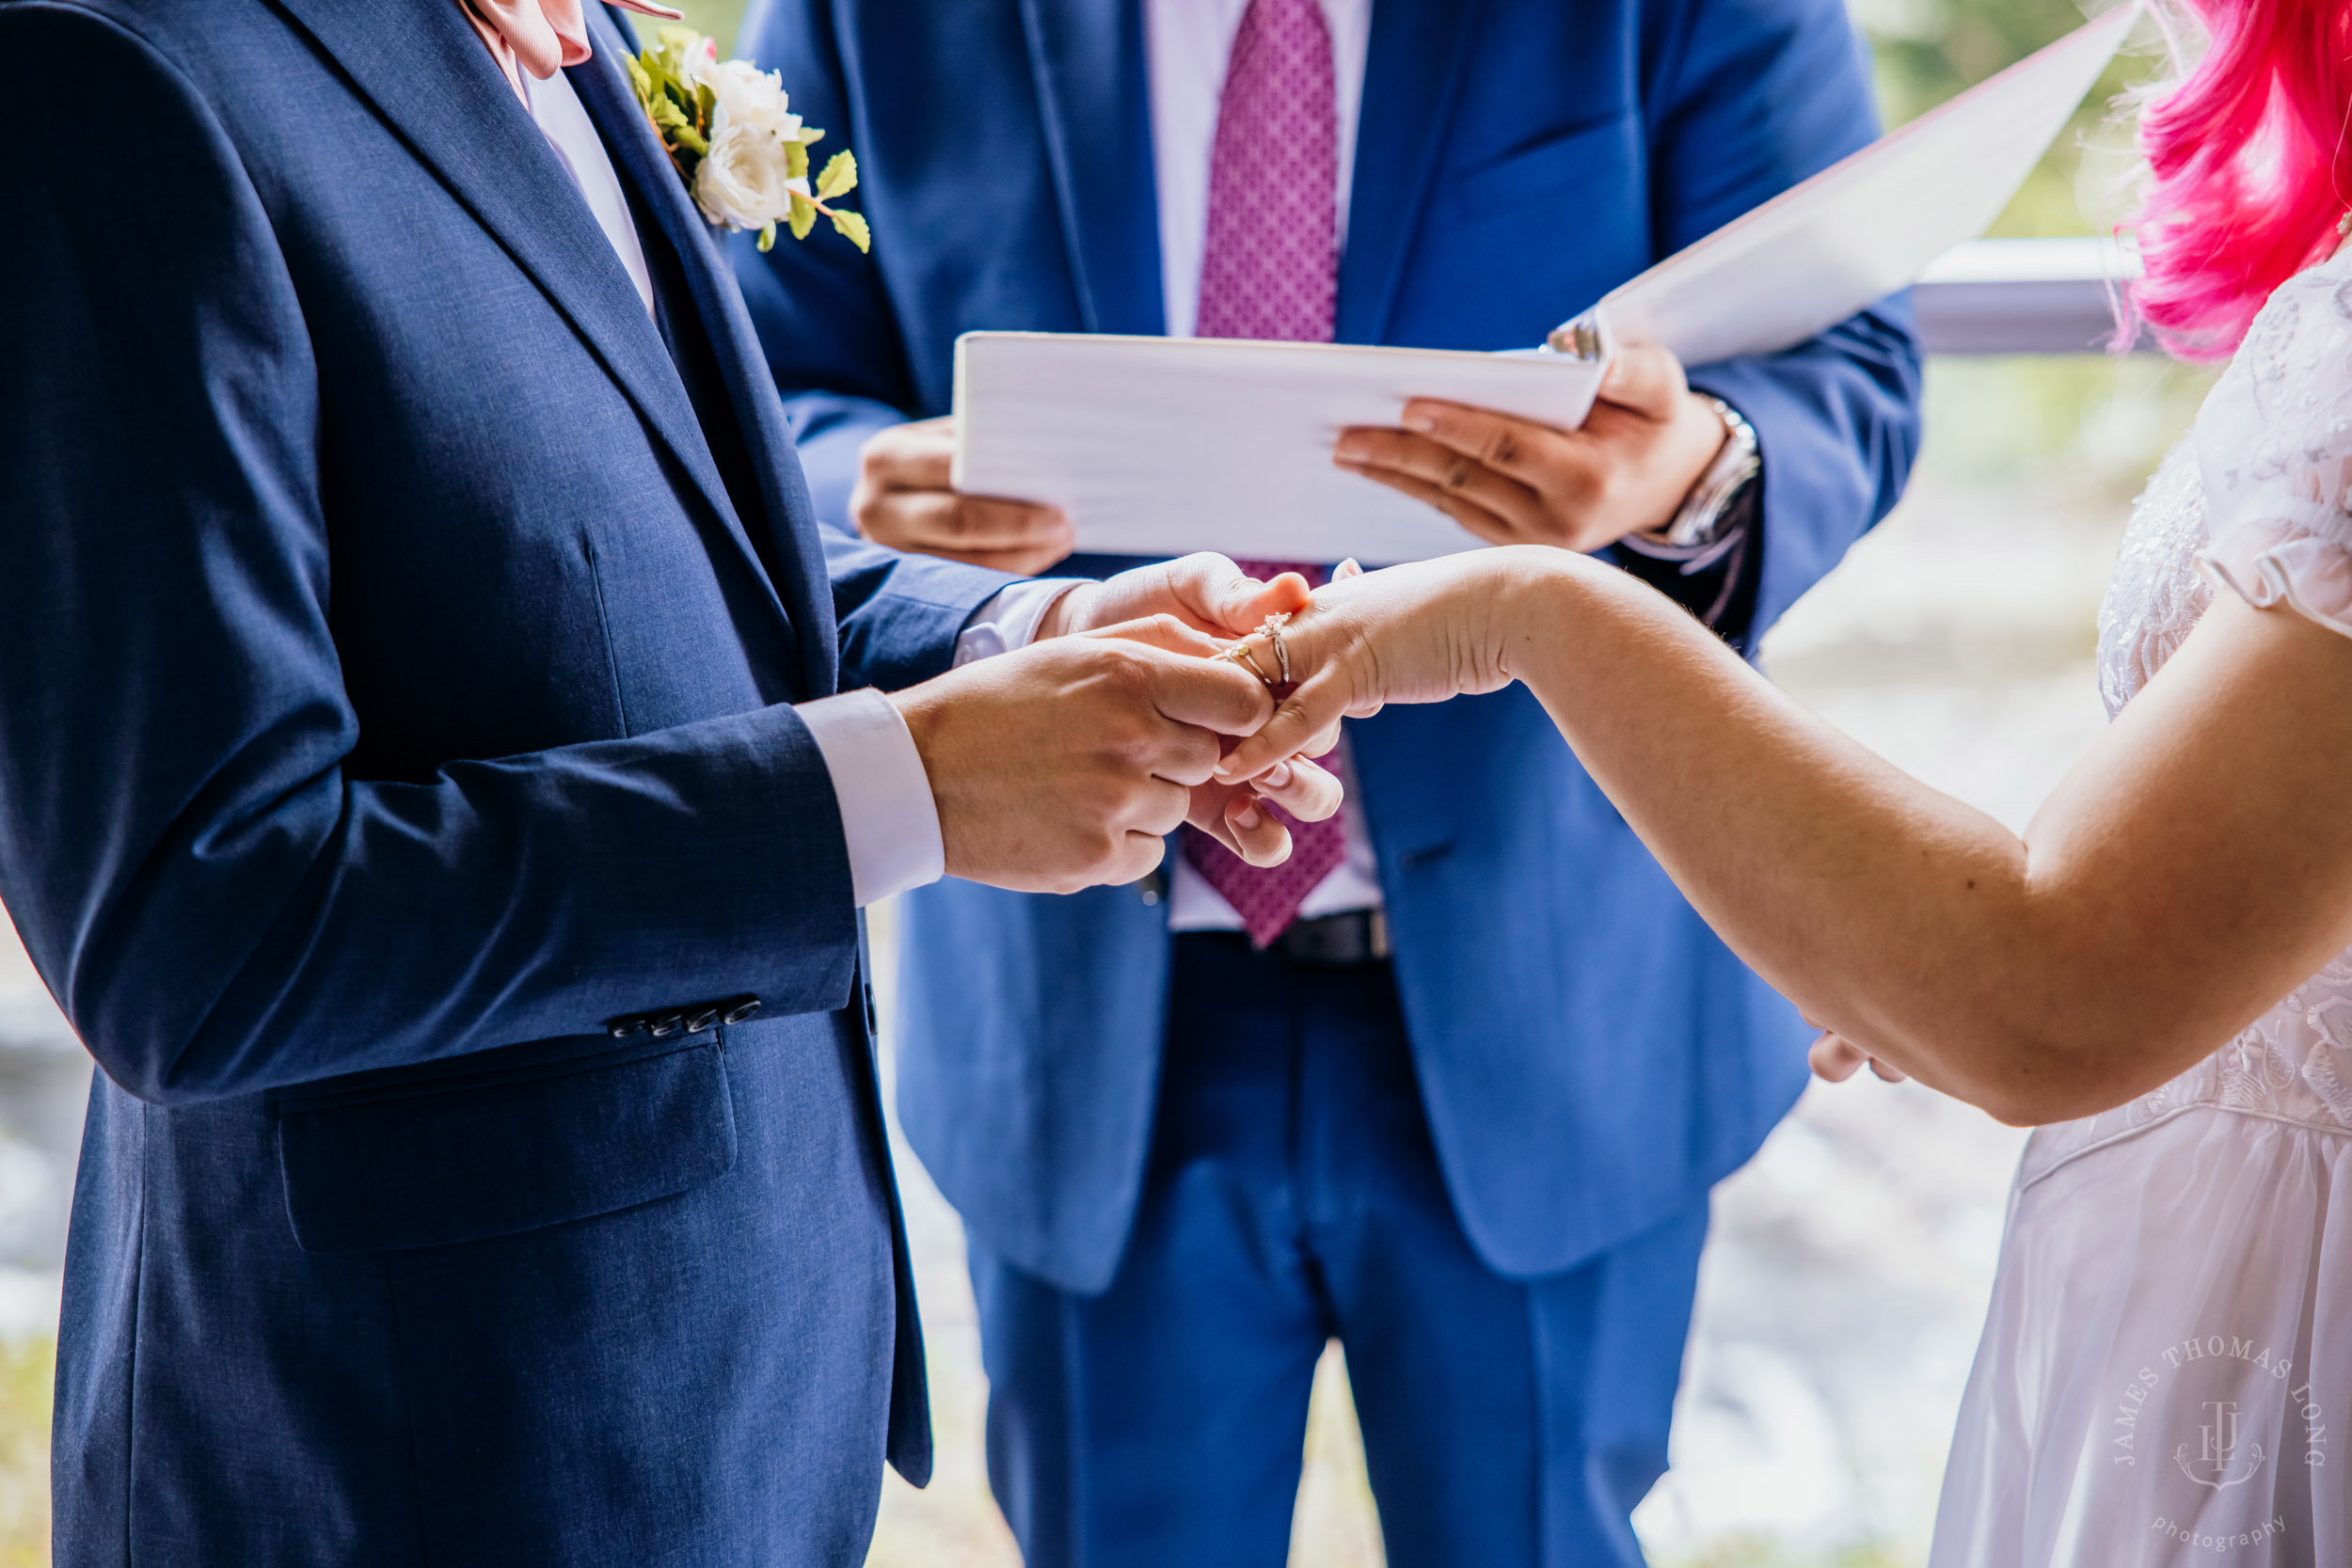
<point>2276,448</point>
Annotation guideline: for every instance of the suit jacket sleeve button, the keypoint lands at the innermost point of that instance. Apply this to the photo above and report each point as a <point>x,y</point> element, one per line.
<point>667,1025</point>
<point>741,1012</point>
<point>621,1028</point>
<point>707,1018</point>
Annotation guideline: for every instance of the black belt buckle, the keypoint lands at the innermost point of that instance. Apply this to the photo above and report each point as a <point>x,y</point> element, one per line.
<point>1351,937</point>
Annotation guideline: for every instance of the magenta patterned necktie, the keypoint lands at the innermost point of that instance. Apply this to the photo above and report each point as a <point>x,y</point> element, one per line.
<point>1271,270</point>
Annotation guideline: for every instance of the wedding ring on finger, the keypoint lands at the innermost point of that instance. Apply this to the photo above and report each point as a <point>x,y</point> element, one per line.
<point>1239,654</point>
<point>1271,628</point>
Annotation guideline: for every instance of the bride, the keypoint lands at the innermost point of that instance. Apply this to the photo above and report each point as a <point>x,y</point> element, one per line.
<point>2155,973</point>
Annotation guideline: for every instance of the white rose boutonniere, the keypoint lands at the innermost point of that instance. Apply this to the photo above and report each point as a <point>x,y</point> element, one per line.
<point>731,133</point>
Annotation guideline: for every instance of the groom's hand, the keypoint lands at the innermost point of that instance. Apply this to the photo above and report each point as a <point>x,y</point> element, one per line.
<point>1204,591</point>
<point>1063,766</point>
<point>1177,605</point>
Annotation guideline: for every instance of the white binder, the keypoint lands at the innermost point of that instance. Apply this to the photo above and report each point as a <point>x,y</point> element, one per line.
<point>1156,446</point>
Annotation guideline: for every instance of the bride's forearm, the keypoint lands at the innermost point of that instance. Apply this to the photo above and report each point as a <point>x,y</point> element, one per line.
<point>2190,872</point>
<point>1895,915</point>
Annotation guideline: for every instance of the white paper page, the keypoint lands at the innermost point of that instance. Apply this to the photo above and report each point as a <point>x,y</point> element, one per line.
<point>1158,446</point>
<point>1867,225</point>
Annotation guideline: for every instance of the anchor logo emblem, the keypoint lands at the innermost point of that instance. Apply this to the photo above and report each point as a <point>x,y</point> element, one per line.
<point>2214,1465</point>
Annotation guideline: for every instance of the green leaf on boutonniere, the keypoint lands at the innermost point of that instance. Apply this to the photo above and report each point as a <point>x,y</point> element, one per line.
<point>839,177</point>
<point>682,86</point>
<point>851,227</point>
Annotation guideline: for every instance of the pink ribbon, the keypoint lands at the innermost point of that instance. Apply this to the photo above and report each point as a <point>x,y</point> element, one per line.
<point>540,36</point>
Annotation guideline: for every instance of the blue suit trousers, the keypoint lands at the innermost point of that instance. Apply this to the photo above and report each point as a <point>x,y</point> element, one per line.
<point>1294,1197</point>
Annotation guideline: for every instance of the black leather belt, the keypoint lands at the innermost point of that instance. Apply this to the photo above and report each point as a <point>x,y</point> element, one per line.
<point>1350,937</point>
<point>1353,937</point>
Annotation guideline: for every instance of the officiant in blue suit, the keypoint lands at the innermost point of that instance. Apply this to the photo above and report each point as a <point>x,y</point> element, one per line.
<point>1452,1087</point>
<point>424,784</point>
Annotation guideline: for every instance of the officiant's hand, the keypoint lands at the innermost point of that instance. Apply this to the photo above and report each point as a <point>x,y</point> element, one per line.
<point>903,500</point>
<point>1064,765</point>
<point>1514,482</point>
<point>1836,1058</point>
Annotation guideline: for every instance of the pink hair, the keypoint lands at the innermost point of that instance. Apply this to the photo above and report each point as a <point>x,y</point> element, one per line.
<point>2251,164</point>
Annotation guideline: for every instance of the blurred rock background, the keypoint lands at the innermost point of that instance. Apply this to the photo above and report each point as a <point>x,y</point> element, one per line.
<point>1851,1260</point>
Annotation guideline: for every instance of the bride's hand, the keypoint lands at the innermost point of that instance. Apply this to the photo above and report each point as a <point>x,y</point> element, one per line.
<point>1407,633</point>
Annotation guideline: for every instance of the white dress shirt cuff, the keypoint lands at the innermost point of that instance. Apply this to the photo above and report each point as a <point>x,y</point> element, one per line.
<point>887,814</point>
<point>1010,619</point>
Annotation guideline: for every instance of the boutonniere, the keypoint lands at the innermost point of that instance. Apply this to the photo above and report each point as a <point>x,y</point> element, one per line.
<point>731,134</point>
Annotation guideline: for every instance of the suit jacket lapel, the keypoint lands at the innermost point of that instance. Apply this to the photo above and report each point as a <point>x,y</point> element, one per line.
<point>429,76</point>
<point>639,159</point>
<point>1094,94</point>
<point>1418,51</point>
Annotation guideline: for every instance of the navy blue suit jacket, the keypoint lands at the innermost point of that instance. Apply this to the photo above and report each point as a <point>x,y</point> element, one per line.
<point>397,635</point>
<point>1591,1055</point>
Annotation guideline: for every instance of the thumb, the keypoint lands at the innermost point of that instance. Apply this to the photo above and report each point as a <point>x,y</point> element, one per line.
<point>1645,380</point>
<point>1287,595</point>
<point>1221,595</point>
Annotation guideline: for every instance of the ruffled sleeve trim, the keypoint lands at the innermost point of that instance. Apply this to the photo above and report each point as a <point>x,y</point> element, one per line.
<point>2274,559</point>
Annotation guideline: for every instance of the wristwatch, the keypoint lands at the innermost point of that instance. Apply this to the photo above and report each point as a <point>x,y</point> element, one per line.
<point>1709,507</point>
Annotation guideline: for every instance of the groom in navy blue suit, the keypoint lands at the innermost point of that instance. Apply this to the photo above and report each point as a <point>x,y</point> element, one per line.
<point>1460,1104</point>
<point>423,785</point>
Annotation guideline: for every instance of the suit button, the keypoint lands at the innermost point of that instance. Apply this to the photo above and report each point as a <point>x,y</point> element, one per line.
<point>621,1028</point>
<point>741,1012</point>
<point>707,1019</point>
<point>667,1025</point>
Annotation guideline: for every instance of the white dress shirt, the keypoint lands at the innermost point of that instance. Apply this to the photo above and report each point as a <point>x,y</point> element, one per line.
<point>888,817</point>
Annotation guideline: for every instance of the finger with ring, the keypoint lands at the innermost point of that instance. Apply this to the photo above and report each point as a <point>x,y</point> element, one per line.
<point>1272,630</point>
<point>1239,654</point>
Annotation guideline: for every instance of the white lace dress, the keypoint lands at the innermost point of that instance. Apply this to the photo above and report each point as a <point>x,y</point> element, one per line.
<point>2166,1374</point>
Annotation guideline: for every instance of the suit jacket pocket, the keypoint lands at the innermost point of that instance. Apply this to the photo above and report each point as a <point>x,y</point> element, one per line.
<point>441,1162</point>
